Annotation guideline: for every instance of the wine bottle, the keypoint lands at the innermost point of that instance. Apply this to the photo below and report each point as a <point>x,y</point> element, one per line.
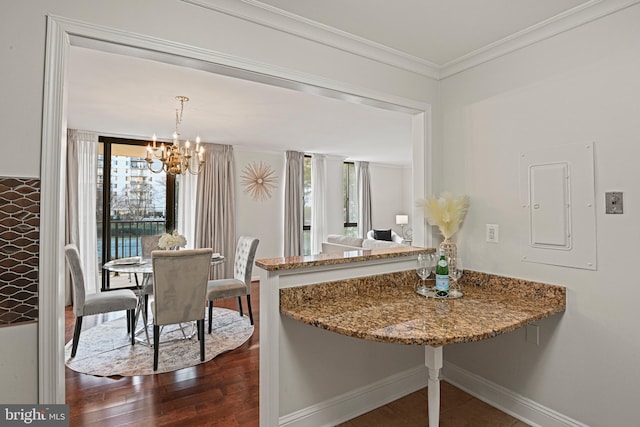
<point>442,276</point>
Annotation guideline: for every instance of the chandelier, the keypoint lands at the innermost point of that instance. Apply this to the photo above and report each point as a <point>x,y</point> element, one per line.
<point>176,158</point>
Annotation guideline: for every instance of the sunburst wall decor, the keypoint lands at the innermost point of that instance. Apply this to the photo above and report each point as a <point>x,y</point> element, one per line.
<point>259,180</point>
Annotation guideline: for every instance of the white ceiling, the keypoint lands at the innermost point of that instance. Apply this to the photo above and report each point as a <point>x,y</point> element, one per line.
<point>124,95</point>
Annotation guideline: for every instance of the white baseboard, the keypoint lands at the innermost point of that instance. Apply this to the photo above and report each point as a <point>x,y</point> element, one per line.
<point>359,401</point>
<point>520,407</point>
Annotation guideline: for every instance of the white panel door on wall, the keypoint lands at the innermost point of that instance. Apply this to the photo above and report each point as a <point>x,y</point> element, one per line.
<point>557,194</point>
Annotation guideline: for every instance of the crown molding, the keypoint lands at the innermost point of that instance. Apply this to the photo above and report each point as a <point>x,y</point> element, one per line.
<point>280,20</point>
<point>568,20</point>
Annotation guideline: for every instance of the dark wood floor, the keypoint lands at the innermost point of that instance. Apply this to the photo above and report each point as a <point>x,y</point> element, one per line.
<point>224,392</point>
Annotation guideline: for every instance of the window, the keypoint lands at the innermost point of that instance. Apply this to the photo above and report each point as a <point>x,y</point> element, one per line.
<point>138,206</point>
<point>306,212</point>
<point>350,192</point>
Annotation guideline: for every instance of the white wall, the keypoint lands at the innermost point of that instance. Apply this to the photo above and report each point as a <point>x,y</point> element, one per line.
<point>388,195</point>
<point>582,86</point>
<point>261,219</point>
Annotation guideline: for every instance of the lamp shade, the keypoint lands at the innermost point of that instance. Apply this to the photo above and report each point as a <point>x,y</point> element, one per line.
<point>402,219</point>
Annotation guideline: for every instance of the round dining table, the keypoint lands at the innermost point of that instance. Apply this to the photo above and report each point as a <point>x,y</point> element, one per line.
<point>138,265</point>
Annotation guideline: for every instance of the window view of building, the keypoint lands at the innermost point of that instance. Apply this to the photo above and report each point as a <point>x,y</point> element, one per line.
<point>138,203</point>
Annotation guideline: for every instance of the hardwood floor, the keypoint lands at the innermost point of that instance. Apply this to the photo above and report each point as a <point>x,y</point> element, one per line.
<point>224,392</point>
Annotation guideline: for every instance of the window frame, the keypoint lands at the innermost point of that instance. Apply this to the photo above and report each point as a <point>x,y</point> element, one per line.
<point>345,174</point>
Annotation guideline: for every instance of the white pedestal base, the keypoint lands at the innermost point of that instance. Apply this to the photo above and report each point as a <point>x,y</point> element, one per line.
<point>433,362</point>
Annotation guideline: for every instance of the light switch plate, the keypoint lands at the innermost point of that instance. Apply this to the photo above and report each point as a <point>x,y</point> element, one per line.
<point>613,202</point>
<point>492,233</point>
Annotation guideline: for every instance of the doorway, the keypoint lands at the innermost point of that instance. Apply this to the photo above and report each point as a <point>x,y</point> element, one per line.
<point>64,33</point>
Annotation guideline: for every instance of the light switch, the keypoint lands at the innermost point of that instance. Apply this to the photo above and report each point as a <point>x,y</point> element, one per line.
<point>492,233</point>
<point>613,201</point>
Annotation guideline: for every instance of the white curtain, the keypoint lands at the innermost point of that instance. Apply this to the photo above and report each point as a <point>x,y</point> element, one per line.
<point>215,220</point>
<point>82,158</point>
<point>364,198</point>
<point>293,203</point>
<point>186,209</point>
<point>319,202</point>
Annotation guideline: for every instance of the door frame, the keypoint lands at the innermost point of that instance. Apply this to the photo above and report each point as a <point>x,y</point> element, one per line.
<point>62,33</point>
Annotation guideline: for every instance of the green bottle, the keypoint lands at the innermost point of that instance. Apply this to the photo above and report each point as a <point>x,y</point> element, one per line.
<point>442,276</point>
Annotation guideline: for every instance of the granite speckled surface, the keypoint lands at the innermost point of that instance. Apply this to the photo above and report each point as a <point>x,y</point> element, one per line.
<point>294,262</point>
<point>385,308</point>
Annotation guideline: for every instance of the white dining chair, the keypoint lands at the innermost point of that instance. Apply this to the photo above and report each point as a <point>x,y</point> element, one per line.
<point>240,284</point>
<point>179,290</point>
<point>100,302</point>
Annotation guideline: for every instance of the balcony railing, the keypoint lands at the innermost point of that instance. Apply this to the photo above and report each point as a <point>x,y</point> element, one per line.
<point>126,241</point>
<point>126,236</point>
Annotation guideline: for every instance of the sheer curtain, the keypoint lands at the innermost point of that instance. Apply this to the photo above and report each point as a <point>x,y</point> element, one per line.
<point>82,158</point>
<point>364,198</point>
<point>186,209</point>
<point>293,194</point>
<point>215,219</point>
<point>319,202</point>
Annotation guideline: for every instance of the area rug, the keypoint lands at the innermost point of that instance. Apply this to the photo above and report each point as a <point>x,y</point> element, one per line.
<point>106,350</point>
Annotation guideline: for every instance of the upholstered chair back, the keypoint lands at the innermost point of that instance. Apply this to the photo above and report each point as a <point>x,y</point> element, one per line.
<point>149,244</point>
<point>180,285</point>
<point>77,278</point>
<point>245,255</point>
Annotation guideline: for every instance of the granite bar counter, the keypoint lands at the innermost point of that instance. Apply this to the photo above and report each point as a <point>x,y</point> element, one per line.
<point>385,308</point>
<point>341,334</point>
<point>297,262</point>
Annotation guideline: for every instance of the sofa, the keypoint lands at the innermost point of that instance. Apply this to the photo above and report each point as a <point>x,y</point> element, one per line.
<point>337,243</point>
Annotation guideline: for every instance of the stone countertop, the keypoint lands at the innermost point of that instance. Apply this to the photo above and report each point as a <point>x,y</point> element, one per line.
<point>294,262</point>
<point>385,308</point>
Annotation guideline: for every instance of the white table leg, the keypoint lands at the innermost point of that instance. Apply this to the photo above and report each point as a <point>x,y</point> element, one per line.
<point>433,362</point>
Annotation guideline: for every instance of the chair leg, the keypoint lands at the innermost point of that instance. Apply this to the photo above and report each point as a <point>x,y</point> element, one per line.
<point>146,307</point>
<point>156,344</point>
<point>131,316</point>
<point>76,336</point>
<point>201,338</point>
<point>249,308</point>
<point>240,305</point>
<point>210,314</point>
<point>128,321</point>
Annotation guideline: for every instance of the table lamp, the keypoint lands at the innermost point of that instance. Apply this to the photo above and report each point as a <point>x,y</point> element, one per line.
<point>402,220</point>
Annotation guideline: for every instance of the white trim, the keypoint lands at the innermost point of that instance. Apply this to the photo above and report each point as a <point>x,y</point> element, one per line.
<point>278,19</point>
<point>51,271</point>
<point>514,404</point>
<point>61,34</point>
<point>568,20</point>
<point>359,401</point>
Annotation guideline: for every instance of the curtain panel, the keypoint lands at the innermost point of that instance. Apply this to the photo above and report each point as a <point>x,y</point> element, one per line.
<point>293,203</point>
<point>215,218</point>
<point>364,198</point>
<point>82,161</point>
<point>186,207</point>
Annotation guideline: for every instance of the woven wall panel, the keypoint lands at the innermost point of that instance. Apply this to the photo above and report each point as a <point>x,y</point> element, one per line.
<point>19,249</point>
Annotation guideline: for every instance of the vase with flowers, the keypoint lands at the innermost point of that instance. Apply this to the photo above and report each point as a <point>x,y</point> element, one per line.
<point>172,241</point>
<point>447,213</point>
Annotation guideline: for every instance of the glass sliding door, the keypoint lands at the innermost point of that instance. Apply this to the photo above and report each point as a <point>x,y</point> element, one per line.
<point>132,201</point>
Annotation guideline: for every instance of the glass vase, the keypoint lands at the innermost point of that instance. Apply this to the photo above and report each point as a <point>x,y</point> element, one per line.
<point>450,251</point>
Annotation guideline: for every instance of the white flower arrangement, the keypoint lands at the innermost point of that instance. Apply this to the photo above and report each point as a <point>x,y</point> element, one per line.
<point>172,240</point>
<point>447,212</point>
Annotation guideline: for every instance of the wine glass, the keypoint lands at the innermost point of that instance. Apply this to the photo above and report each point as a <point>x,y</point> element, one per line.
<point>455,272</point>
<point>424,268</point>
